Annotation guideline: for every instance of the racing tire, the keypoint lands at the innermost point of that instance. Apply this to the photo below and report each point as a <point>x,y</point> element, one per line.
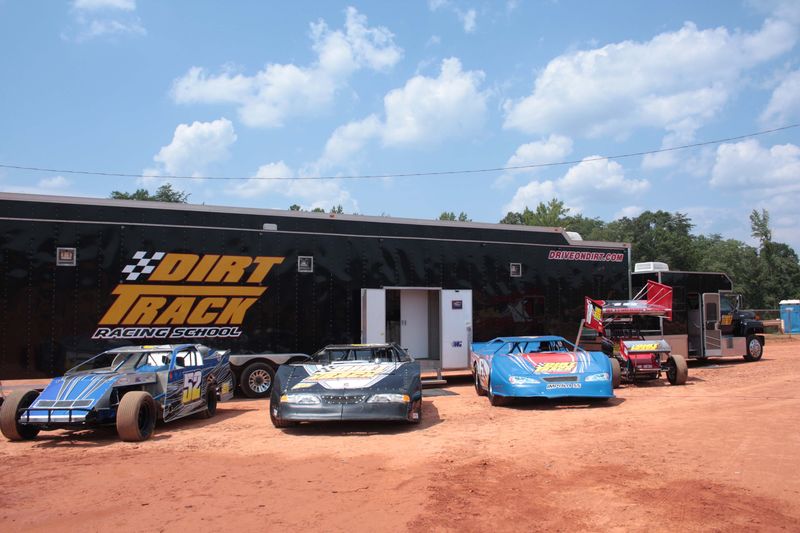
<point>136,416</point>
<point>280,423</point>
<point>9,424</point>
<point>417,408</point>
<point>755,348</point>
<point>494,399</point>
<point>257,379</point>
<point>616,373</point>
<point>478,389</point>
<point>677,370</point>
<point>211,402</point>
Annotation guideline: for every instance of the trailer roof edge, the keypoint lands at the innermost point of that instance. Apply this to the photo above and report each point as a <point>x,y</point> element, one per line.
<point>145,204</point>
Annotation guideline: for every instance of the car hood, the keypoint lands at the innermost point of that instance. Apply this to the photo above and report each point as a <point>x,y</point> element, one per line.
<point>347,376</point>
<point>557,363</point>
<point>86,389</point>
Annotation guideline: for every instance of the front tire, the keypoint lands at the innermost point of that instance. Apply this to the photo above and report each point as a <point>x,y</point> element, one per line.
<point>10,426</point>
<point>677,370</point>
<point>257,379</point>
<point>494,399</point>
<point>136,416</point>
<point>211,401</point>
<point>755,348</point>
<point>279,423</point>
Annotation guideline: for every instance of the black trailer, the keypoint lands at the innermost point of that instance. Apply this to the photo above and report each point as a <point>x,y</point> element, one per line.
<point>79,275</point>
<point>707,316</point>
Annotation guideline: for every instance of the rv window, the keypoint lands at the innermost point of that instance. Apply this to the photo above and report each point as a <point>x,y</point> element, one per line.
<point>711,311</point>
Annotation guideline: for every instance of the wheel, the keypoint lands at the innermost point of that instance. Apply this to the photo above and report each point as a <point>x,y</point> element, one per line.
<point>755,348</point>
<point>416,410</point>
<point>136,416</point>
<point>279,422</point>
<point>211,401</point>
<point>677,370</point>
<point>257,380</point>
<point>616,373</point>
<point>9,423</point>
<point>494,399</point>
<point>478,388</point>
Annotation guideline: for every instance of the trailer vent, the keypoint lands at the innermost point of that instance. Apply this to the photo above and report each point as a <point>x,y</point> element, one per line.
<point>651,266</point>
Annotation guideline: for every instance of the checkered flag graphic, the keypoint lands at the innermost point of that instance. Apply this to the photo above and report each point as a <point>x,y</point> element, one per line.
<point>143,265</point>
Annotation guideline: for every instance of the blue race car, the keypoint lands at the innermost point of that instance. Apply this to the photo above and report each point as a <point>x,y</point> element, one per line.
<point>545,366</point>
<point>130,387</point>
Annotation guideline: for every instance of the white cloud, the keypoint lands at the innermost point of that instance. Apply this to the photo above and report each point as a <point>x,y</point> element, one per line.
<point>104,18</point>
<point>784,105</point>
<point>747,164</point>
<point>431,109</point>
<point>765,178</point>
<point>91,5</point>
<point>551,150</point>
<point>630,211</point>
<point>51,185</point>
<point>424,111</point>
<point>590,181</point>
<point>309,193</point>
<point>676,81</point>
<point>467,17</point>
<point>281,91</point>
<point>194,147</point>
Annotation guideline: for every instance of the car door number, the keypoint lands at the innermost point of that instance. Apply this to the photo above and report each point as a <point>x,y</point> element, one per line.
<point>191,386</point>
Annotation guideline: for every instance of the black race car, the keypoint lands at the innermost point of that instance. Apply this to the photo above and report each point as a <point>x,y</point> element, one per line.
<point>348,382</point>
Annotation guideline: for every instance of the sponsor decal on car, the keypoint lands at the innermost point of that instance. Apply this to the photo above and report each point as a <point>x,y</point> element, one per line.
<point>560,367</point>
<point>349,376</point>
<point>551,386</point>
<point>176,295</point>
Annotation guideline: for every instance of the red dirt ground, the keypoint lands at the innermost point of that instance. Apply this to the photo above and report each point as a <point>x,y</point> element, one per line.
<point>719,454</point>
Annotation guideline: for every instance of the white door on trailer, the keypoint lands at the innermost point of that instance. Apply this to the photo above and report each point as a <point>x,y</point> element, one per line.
<point>373,315</point>
<point>712,336</point>
<point>414,322</point>
<point>456,328</point>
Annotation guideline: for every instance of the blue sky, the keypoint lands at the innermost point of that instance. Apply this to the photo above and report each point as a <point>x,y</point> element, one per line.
<point>303,89</point>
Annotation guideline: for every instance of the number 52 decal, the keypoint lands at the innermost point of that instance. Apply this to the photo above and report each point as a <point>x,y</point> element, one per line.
<point>191,386</point>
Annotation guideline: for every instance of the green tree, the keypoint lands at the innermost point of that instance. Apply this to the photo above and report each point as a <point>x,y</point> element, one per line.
<point>294,207</point>
<point>165,193</point>
<point>656,236</point>
<point>449,215</point>
<point>337,209</point>
<point>551,214</point>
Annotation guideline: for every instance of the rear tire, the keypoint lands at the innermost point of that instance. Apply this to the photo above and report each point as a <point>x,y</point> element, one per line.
<point>9,423</point>
<point>478,389</point>
<point>677,370</point>
<point>136,416</point>
<point>257,379</point>
<point>755,348</point>
<point>616,373</point>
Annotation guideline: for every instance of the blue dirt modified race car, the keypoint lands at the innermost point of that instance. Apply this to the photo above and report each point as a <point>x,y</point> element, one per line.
<point>546,366</point>
<point>130,387</point>
<point>348,382</point>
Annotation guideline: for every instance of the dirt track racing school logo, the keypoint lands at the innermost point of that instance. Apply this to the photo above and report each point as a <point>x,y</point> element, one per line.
<point>171,295</point>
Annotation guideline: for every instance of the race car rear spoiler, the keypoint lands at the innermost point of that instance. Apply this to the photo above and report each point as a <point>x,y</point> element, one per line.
<point>657,302</point>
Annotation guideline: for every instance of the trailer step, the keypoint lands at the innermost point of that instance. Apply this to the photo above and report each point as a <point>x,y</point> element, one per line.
<point>433,382</point>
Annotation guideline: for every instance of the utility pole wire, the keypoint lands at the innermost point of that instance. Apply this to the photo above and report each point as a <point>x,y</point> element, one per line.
<point>403,174</point>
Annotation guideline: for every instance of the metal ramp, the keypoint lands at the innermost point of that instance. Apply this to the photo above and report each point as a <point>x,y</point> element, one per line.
<point>428,366</point>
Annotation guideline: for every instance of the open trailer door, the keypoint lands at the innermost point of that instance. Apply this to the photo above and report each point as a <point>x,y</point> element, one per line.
<point>456,328</point>
<point>373,315</point>
<point>712,335</point>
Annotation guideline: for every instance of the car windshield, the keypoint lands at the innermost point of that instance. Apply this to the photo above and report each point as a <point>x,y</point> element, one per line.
<point>535,346</point>
<point>117,361</point>
<point>381,354</point>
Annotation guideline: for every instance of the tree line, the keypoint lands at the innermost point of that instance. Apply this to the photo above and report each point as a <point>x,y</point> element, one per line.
<point>763,274</point>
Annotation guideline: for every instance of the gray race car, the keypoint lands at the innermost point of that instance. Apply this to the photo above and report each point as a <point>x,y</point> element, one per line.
<point>348,382</point>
